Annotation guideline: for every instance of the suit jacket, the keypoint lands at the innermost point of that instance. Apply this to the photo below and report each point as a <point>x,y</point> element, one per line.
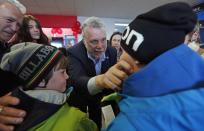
<point>81,69</point>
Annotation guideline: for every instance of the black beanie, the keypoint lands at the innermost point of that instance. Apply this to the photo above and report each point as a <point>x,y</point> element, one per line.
<point>163,28</point>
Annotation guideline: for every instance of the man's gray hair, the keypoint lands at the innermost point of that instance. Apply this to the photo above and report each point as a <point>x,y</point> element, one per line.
<point>94,22</point>
<point>16,3</point>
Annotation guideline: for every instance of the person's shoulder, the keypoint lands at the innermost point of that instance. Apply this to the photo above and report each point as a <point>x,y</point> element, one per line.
<point>112,51</point>
<point>110,48</point>
<point>76,47</point>
<point>77,50</point>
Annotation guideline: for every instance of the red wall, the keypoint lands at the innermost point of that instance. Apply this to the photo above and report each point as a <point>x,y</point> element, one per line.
<point>55,21</point>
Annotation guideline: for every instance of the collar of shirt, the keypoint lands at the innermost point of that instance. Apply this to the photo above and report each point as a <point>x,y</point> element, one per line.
<point>102,58</point>
<point>97,63</point>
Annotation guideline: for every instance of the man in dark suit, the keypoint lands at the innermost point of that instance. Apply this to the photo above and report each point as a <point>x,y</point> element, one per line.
<point>89,63</point>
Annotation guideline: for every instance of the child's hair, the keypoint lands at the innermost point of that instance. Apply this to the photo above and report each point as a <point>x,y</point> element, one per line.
<point>63,63</point>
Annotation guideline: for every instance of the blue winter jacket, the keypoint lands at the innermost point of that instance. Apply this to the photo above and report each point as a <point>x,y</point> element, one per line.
<point>166,95</point>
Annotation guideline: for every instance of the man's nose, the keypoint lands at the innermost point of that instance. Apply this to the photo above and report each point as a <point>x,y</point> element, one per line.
<point>66,76</point>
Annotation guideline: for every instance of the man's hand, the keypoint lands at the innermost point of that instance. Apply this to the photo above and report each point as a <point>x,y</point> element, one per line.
<point>9,115</point>
<point>113,78</point>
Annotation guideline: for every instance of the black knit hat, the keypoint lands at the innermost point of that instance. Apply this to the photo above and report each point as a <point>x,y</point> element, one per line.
<point>31,62</point>
<point>151,34</point>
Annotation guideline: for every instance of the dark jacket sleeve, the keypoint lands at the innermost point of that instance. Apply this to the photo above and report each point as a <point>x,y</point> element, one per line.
<point>78,70</point>
<point>78,77</point>
<point>8,82</point>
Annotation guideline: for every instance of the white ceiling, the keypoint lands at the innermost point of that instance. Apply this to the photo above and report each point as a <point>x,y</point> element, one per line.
<point>126,9</point>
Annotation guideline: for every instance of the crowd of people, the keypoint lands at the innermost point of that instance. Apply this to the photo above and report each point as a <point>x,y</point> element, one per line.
<point>154,69</point>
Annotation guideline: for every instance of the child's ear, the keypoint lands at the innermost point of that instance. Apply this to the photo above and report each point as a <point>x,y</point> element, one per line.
<point>42,83</point>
